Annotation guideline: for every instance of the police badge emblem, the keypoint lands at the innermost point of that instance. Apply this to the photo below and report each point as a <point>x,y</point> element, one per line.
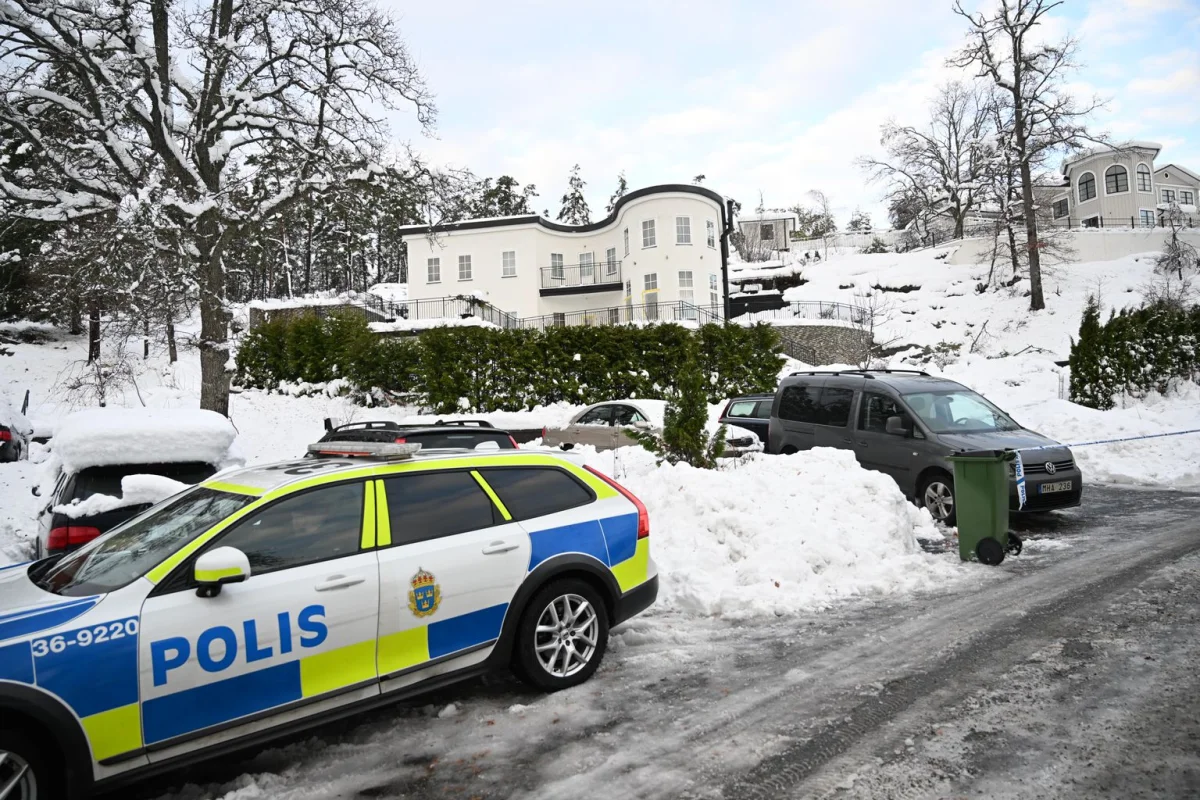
<point>425,595</point>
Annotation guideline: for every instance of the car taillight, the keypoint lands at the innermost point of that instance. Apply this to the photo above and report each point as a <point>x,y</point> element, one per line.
<point>643,515</point>
<point>70,536</point>
<point>5,436</point>
<point>514,442</point>
<point>401,440</point>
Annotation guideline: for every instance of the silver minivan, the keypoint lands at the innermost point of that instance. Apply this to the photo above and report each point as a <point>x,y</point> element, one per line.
<point>905,423</point>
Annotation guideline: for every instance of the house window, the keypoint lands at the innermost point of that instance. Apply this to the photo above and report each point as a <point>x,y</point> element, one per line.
<point>587,268</point>
<point>1147,218</point>
<point>1168,195</point>
<point>683,230</point>
<point>1116,180</point>
<point>1061,208</point>
<point>648,239</point>
<point>650,296</point>
<point>687,294</point>
<point>1087,187</point>
<point>556,267</point>
<point>1143,173</point>
<point>628,289</point>
<point>433,270</point>
<point>714,293</point>
<point>767,232</point>
<point>711,227</point>
<point>1186,198</point>
<point>610,261</point>
<point>464,268</point>
<point>626,241</point>
<point>508,263</point>
<point>652,282</point>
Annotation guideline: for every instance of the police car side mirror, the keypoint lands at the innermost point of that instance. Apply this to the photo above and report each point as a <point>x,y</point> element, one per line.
<point>220,566</point>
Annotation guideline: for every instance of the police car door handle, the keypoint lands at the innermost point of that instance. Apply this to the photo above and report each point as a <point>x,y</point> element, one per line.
<point>339,582</point>
<point>499,547</point>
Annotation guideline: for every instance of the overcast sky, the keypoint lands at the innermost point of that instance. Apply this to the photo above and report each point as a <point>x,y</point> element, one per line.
<point>777,97</point>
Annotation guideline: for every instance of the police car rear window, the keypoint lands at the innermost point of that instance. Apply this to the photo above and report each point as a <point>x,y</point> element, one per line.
<point>131,550</point>
<point>535,492</point>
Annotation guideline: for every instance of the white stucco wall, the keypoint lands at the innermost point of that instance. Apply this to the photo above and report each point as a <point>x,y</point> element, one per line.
<point>1099,245</point>
<point>534,245</point>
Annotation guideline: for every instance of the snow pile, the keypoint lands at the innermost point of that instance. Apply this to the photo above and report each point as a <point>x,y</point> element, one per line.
<point>10,415</point>
<point>390,292</point>
<point>773,535</point>
<point>104,436</point>
<point>136,490</point>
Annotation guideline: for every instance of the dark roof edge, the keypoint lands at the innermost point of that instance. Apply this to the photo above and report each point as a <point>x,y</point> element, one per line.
<point>476,224</point>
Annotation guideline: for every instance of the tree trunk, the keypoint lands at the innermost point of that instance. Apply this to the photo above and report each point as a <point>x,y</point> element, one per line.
<point>172,351</point>
<point>1036,299</point>
<point>93,331</point>
<point>145,339</point>
<point>214,325</point>
<point>76,310</point>
<point>1013,252</point>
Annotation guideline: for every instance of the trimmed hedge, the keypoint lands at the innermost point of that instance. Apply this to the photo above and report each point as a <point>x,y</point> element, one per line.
<point>480,369</point>
<point>1136,351</point>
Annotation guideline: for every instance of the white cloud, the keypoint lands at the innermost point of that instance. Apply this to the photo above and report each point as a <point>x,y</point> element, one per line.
<point>1181,81</point>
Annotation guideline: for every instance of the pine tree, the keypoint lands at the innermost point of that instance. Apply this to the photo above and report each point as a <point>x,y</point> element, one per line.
<point>618,194</point>
<point>860,221</point>
<point>574,209</point>
<point>1085,360</point>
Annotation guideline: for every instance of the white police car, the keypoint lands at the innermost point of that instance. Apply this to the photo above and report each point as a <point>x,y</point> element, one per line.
<point>273,598</point>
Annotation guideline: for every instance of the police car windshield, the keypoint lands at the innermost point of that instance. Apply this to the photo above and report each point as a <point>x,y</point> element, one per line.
<point>131,550</point>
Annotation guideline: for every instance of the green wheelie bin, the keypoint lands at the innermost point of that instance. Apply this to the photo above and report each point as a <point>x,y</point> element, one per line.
<point>981,502</point>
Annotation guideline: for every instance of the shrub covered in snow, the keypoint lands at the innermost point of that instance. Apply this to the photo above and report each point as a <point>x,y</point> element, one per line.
<point>1136,352</point>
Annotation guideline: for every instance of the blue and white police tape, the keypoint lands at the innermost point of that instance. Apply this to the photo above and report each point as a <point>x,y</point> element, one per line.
<point>1019,466</point>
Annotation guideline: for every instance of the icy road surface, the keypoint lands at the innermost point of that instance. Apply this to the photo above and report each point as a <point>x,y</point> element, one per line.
<point>1070,675</point>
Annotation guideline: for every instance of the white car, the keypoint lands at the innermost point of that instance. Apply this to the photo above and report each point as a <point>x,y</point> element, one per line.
<point>607,425</point>
<point>277,597</point>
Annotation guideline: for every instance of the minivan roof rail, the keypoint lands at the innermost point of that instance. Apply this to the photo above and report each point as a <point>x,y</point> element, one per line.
<point>866,373</point>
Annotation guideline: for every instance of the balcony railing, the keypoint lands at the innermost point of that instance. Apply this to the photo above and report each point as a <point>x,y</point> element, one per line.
<point>581,278</point>
<point>645,313</point>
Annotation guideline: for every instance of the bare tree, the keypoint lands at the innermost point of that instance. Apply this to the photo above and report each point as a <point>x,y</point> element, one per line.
<point>1044,117</point>
<point>1178,256</point>
<point>824,210</point>
<point>941,163</point>
<point>189,97</point>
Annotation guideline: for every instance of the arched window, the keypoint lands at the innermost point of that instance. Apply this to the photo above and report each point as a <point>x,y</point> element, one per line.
<point>1144,178</point>
<point>1116,179</point>
<point>1087,187</point>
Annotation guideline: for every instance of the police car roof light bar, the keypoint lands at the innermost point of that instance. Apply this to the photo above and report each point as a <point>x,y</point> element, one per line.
<point>386,450</point>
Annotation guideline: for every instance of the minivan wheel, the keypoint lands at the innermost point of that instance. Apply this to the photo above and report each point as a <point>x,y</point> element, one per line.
<point>24,772</point>
<point>562,636</point>
<point>937,495</point>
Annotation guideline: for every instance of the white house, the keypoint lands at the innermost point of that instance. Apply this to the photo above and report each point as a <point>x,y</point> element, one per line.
<point>1111,187</point>
<point>657,256</point>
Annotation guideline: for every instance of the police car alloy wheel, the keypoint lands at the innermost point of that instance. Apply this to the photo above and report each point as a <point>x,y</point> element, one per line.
<point>562,637</point>
<point>18,774</point>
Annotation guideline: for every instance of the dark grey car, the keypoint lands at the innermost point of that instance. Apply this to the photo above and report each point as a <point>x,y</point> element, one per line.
<point>905,423</point>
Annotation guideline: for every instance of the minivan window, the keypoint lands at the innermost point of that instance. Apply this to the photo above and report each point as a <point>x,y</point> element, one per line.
<point>799,403</point>
<point>835,407</point>
<point>874,411</point>
<point>959,411</point>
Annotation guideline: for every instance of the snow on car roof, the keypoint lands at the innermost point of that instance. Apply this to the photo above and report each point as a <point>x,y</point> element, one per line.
<point>108,436</point>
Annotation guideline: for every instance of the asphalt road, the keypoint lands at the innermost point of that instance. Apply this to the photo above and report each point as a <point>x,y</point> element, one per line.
<point>1067,672</point>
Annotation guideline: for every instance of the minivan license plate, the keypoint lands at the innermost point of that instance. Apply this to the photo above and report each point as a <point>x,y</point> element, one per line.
<point>1061,486</point>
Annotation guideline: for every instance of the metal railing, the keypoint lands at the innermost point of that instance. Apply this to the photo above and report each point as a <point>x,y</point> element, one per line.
<point>461,307</point>
<point>812,310</point>
<point>645,313</point>
<point>569,276</point>
<point>1084,223</point>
